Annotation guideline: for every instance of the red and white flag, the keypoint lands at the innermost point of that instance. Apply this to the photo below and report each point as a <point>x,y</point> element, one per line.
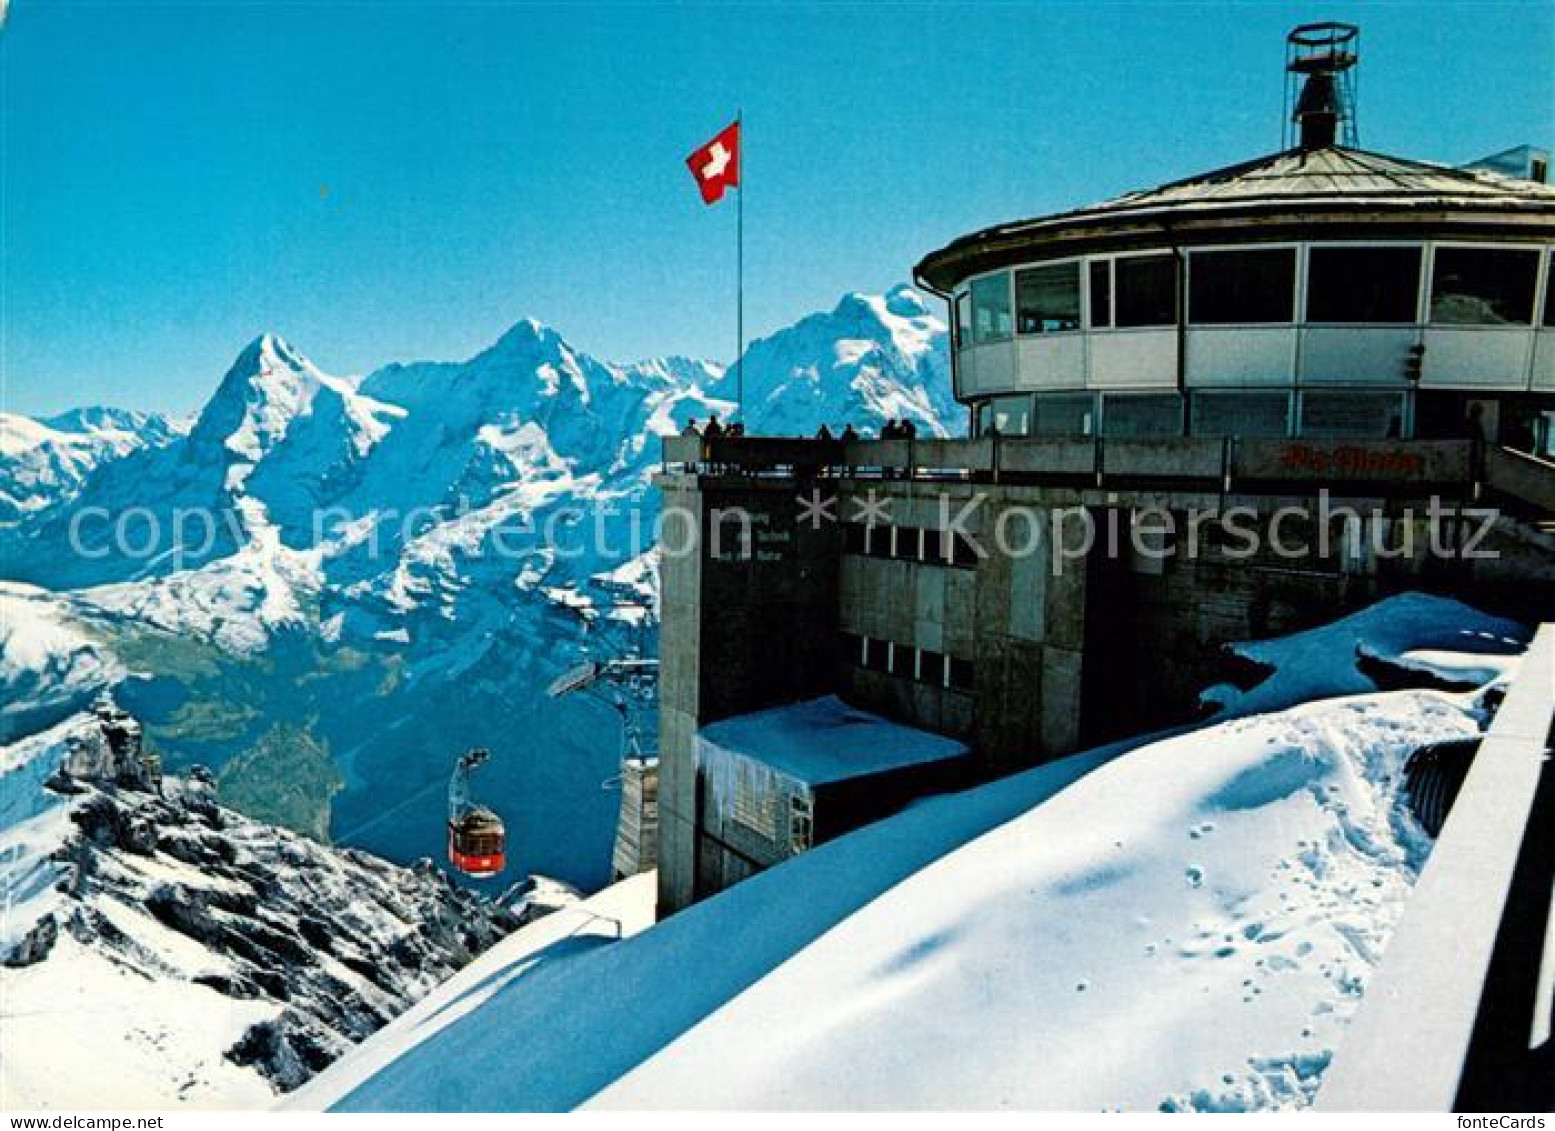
<point>716,166</point>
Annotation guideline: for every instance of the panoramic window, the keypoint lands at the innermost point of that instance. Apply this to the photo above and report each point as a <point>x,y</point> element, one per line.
<point>1047,298</point>
<point>991,321</point>
<point>1352,415</point>
<point>1241,414</point>
<point>1101,292</point>
<point>1363,284</point>
<point>1150,414</point>
<point>1146,290</point>
<point>1062,414</point>
<point>1483,286</point>
<point>1244,286</point>
<point>963,322</point>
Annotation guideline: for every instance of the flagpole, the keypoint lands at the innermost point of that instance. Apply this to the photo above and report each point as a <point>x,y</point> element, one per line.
<point>739,267</point>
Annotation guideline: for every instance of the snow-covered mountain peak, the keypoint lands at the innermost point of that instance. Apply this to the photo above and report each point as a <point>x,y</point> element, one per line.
<point>900,318</point>
<point>870,358</point>
<point>524,333</point>
<point>905,302</point>
<point>268,388</point>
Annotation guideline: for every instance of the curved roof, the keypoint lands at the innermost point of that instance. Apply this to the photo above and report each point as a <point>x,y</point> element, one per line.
<point>1292,188</point>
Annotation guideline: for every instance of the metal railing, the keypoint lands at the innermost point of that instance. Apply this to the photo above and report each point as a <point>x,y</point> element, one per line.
<point>1188,462</point>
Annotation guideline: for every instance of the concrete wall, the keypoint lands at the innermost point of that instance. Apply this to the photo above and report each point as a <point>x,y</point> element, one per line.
<point>1019,622</point>
<point>1063,654</point>
<point>745,626</point>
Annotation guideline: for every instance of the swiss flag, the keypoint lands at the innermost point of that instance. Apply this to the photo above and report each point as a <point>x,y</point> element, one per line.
<point>716,166</point>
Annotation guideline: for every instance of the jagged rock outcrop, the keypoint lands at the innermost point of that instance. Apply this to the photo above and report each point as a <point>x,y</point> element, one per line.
<point>151,875</point>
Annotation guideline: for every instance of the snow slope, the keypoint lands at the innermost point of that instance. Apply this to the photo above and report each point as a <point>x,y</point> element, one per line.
<point>621,911</point>
<point>1418,631</point>
<point>1189,927</point>
<point>1186,923</point>
<point>603,1012</point>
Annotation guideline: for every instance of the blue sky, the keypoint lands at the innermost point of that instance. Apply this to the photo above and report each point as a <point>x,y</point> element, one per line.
<point>393,181</point>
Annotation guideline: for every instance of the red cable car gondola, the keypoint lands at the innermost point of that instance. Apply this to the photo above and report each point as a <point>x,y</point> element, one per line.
<point>477,840</point>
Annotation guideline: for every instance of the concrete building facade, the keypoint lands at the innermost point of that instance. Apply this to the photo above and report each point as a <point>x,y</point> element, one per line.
<point>1178,401</point>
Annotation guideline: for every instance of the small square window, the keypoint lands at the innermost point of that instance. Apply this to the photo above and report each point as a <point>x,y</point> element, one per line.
<point>959,674</point>
<point>801,822</point>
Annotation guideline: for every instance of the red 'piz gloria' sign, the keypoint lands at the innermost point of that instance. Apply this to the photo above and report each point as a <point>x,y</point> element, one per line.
<point>1353,461</point>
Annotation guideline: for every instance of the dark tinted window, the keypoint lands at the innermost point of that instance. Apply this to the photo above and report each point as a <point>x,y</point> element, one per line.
<point>1363,284</point>
<point>879,539</point>
<point>902,660</point>
<point>1257,285</point>
<point>1062,414</point>
<point>1154,414</point>
<point>1241,414</point>
<point>1147,290</point>
<point>960,675</point>
<point>1047,298</point>
<point>1101,292</point>
<point>933,546</point>
<point>1352,415</point>
<point>853,538</point>
<point>851,646</point>
<point>1478,286</point>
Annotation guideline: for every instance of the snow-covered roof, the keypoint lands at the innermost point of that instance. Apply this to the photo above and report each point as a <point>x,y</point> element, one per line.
<point>1301,183</point>
<point>825,740</point>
